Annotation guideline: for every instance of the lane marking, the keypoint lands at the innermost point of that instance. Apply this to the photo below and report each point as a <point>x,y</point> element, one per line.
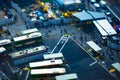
<point>26,78</point>
<point>113,13</point>
<point>93,63</point>
<point>64,44</point>
<point>56,45</point>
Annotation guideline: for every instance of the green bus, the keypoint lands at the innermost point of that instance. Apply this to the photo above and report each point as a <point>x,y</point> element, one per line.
<point>27,39</point>
<point>6,43</point>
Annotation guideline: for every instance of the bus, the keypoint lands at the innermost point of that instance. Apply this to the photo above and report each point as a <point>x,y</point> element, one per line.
<point>3,54</point>
<point>53,56</point>
<point>28,31</point>
<point>107,26</point>
<point>27,39</point>
<point>47,71</point>
<point>28,55</point>
<point>46,63</point>
<point>71,76</point>
<point>6,43</point>
<point>104,28</point>
<point>2,50</point>
<point>43,73</point>
<point>116,66</point>
<point>100,31</point>
<point>95,49</point>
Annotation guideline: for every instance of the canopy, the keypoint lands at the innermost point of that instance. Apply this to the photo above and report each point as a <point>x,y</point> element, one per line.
<point>89,15</point>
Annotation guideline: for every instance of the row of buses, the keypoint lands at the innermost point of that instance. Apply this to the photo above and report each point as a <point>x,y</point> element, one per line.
<point>51,68</point>
<point>28,37</point>
<point>107,33</point>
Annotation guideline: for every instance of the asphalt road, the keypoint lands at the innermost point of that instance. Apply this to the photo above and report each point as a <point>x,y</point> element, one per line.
<point>79,61</point>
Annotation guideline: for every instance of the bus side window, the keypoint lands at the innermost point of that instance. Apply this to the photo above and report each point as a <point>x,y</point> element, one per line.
<point>52,61</point>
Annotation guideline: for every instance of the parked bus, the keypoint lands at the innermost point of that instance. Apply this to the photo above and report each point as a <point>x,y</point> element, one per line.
<point>107,26</point>
<point>2,50</point>
<point>6,43</point>
<point>95,49</point>
<point>47,71</point>
<point>3,54</point>
<point>28,31</point>
<point>102,34</point>
<point>116,66</point>
<point>104,28</point>
<point>72,76</point>
<point>27,39</point>
<point>28,55</point>
<point>42,74</point>
<point>53,56</point>
<point>46,63</point>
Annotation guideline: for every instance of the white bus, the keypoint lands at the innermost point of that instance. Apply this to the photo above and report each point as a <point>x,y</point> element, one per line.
<point>94,48</point>
<point>3,53</point>
<point>100,31</point>
<point>46,63</point>
<point>28,55</point>
<point>104,28</point>
<point>72,76</point>
<point>27,39</point>
<point>53,56</point>
<point>6,43</point>
<point>2,50</point>
<point>47,71</point>
<point>116,66</point>
<point>107,26</point>
<point>28,31</point>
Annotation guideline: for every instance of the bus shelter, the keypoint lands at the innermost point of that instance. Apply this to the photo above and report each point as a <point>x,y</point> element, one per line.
<point>86,16</point>
<point>95,49</point>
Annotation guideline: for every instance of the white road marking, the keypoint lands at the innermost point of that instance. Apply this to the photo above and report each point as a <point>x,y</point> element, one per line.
<point>113,13</point>
<point>57,44</point>
<point>64,44</point>
<point>93,63</point>
<point>26,78</point>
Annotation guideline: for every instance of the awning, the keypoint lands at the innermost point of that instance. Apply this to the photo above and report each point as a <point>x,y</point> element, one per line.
<point>83,16</point>
<point>89,15</point>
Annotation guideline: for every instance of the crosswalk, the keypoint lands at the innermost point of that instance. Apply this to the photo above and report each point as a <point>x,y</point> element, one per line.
<point>63,40</point>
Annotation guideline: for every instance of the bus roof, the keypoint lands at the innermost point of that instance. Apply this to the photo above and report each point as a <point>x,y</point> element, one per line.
<point>46,63</point>
<point>20,38</point>
<point>101,30</point>
<point>69,2</point>
<point>5,41</point>
<point>54,55</point>
<point>67,76</point>
<point>2,49</point>
<point>94,46</point>
<point>29,31</point>
<point>116,66</point>
<point>47,71</point>
<point>107,26</point>
<point>28,51</point>
<point>36,34</point>
<point>24,37</point>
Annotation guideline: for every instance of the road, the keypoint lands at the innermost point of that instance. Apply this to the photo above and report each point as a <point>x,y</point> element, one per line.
<point>114,8</point>
<point>79,61</point>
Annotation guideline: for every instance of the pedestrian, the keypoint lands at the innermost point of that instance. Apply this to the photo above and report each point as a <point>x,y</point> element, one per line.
<point>85,38</point>
<point>65,30</point>
<point>61,32</point>
<point>16,18</point>
<point>107,50</point>
<point>117,53</point>
<point>111,57</point>
<point>81,38</point>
